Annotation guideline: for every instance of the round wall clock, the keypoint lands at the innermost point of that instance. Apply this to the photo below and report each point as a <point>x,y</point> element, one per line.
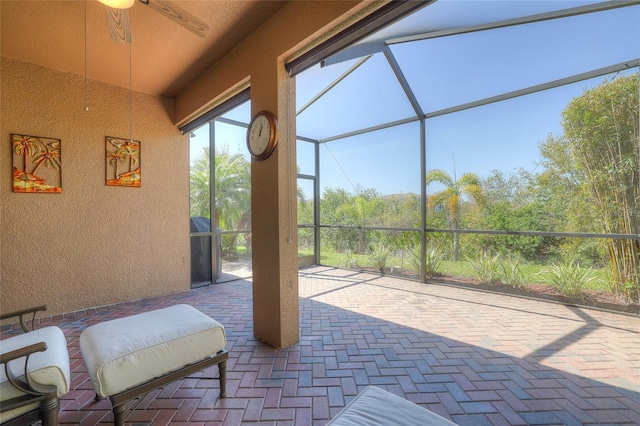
<point>262,135</point>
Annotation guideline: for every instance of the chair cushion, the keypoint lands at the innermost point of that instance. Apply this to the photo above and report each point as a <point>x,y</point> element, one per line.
<point>376,407</point>
<point>5,416</point>
<point>125,352</point>
<point>50,367</point>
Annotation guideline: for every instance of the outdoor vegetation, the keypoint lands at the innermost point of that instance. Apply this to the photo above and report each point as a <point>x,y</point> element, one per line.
<point>520,173</point>
<point>588,180</point>
<point>233,197</point>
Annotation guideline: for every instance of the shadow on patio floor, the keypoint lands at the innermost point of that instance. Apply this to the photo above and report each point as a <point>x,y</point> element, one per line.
<point>472,357</point>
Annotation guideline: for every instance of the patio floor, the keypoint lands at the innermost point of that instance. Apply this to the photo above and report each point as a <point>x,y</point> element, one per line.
<point>473,357</point>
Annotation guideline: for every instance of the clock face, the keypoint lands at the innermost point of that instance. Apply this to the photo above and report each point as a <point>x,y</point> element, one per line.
<point>261,135</point>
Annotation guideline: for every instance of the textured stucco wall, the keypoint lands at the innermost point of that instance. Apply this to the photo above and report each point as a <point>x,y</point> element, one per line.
<point>92,245</point>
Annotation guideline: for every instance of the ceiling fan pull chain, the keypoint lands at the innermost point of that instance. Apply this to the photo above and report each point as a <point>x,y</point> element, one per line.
<point>86,101</point>
<point>130,93</point>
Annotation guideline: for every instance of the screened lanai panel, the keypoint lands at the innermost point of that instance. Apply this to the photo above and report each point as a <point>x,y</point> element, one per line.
<point>383,164</point>
<point>305,202</point>
<point>306,158</point>
<point>233,178</point>
<point>448,14</point>
<point>232,139</point>
<point>199,176</point>
<point>369,96</point>
<point>241,113</point>
<point>199,146</point>
<point>514,149</point>
<point>317,79</point>
<point>448,71</point>
<point>359,249</point>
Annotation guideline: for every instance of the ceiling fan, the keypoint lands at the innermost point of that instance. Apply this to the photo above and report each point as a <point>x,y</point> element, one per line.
<point>120,27</point>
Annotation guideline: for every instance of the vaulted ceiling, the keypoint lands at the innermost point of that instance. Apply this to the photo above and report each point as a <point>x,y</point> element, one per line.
<point>74,36</point>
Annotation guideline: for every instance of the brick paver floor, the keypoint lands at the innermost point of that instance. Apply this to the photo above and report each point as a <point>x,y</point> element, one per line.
<point>475,358</point>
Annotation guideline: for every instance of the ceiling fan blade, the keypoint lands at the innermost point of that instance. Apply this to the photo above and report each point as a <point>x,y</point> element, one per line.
<point>119,25</point>
<point>179,15</point>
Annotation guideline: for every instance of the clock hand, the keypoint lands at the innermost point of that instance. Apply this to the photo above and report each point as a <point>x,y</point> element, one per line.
<point>260,132</point>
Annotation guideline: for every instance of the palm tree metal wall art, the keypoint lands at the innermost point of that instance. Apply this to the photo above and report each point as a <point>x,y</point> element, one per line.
<point>123,162</point>
<point>30,154</point>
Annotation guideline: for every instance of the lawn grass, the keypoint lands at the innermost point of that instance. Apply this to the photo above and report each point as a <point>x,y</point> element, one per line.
<point>532,273</point>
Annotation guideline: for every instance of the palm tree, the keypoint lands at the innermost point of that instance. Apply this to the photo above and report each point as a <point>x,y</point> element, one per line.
<point>232,192</point>
<point>114,158</point>
<point>50,157</point>
<point>25,146</point>
<point>131,151</point>
<point>469,184</point>
<point>360,212</point>
<point>232,184</point>
<point>199,179</point>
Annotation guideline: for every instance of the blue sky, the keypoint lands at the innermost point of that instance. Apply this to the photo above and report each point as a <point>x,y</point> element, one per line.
<point>448,71</point>
<point>445,72</point>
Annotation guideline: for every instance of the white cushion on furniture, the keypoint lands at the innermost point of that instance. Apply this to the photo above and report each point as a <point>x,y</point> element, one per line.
<point>50,367</point>
<point>9,392</point>
<point>126,352</point>
<point>376,407</point>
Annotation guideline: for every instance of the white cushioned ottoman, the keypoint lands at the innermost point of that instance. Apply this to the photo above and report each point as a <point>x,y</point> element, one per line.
<point>130,356</point>
<point>376,407</point>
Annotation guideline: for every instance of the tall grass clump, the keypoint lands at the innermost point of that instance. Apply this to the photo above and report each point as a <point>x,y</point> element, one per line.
<point>432,260</point>
<point>350,261</point>
<point>413,259</point>
<point>486,268</point>
<point>511,273</point>
<point>378,255</point>
<point>569,278</point>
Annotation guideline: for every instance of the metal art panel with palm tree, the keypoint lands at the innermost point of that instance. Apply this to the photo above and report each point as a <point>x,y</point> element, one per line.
<point>30,154</point>
<point>123,153</point>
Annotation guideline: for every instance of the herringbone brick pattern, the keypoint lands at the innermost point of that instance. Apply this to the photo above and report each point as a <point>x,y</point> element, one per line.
<point>475,358</point>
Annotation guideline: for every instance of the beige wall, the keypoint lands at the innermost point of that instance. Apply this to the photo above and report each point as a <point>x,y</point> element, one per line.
<point>92,245</point>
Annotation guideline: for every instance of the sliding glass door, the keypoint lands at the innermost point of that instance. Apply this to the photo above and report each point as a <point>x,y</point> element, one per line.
<point>220,197</point>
